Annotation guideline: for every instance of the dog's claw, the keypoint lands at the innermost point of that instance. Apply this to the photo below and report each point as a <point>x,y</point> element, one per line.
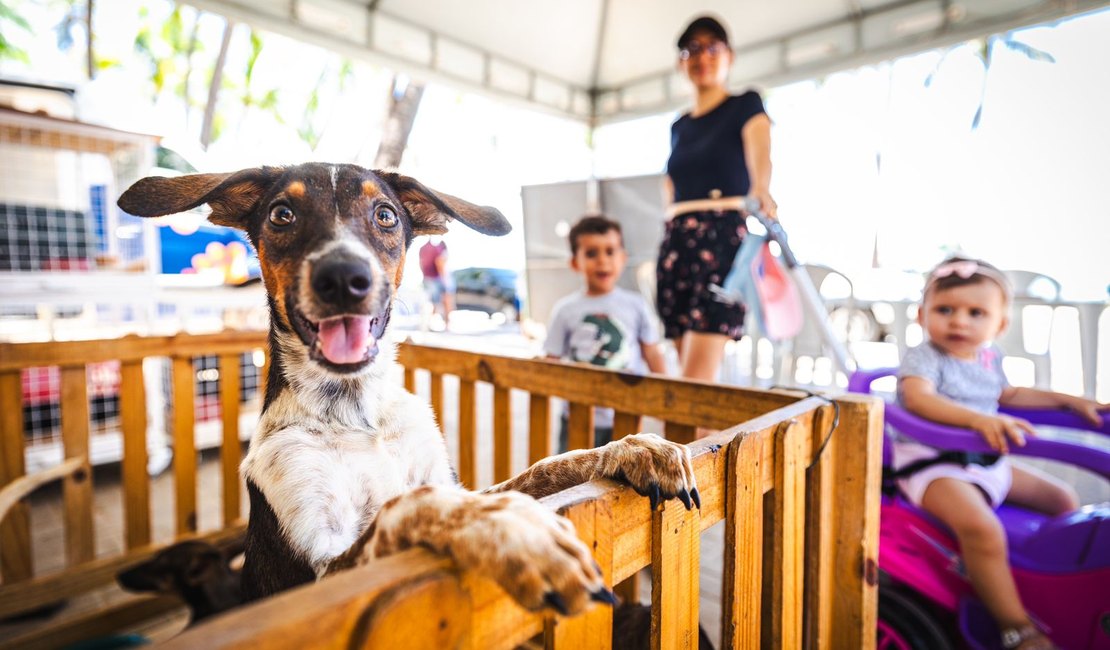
<point>556,602</point>
<point>603,595</point>
<point>696,497</point>
<point>655,496</point>
<point>684,497</point>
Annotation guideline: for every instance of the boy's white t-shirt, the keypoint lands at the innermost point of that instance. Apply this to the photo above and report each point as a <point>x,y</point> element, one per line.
<point>604,331</point>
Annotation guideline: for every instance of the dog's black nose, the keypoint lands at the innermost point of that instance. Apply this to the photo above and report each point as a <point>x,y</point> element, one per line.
<point>341,281</point>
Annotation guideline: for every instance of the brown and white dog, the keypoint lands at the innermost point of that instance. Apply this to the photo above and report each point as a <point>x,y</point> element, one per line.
<point>346,466</point>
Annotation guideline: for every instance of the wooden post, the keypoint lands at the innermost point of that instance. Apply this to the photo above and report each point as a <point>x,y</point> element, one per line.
<point>788,536</point>
<point>437,399</point>
<point>539,428</point>
<point>580,426</point>
<point>15,529</point>
<point>625,424</point>
<point>136,479</point>
<point>468,441</point>
<point>820,499</point>
<point>675,550</point>
<point>502,435</point>
<point>230,448</point>
<point>593,522</point>
<point>741,602</point>
<point>410,379</point>
<point>858,459</point>
<point>683,434</point>
<point>77,487</point>
<point>184,445</point>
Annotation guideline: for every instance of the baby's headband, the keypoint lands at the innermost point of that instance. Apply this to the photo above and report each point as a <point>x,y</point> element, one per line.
<point>966,269</point>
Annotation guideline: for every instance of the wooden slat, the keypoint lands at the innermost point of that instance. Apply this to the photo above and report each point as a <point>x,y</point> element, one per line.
<point>700,404</point>
<point>681,433</point>
<point>820,592</point>
<point>502,435</point>
<point>399,618</point>
<point>788,537</point>
<point>594,629</point>
<point>15,529</point>
<point>15,356</point>
<point>743,563</point>
<point>95,624</point>
<point>437,399</point>
<point>230,448</point>
<point>184,446</point>
<point>32,594</point>
<point>410,379</point>
<point>675,555</point>
<point>580,426</point>
<point>136,478</point>
<point>77,488</point>
<point>625,424</point>
<point>468,441</point>
<point>539,428</point>
<point>858,465</point>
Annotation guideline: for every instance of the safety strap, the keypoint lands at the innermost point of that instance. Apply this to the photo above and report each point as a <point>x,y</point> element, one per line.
<point>961,458</point>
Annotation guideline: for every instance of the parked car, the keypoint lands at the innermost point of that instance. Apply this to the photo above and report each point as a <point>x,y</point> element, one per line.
<point>493,291</point>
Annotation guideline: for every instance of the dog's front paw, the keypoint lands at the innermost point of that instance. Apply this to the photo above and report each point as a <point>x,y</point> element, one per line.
<point>654,467</point>
<point>532,552</point>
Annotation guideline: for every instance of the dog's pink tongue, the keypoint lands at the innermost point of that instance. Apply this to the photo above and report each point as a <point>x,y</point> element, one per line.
<point>344,339</point>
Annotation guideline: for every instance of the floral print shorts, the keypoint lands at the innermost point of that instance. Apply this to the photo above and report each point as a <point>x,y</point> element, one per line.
<point>697,251</point>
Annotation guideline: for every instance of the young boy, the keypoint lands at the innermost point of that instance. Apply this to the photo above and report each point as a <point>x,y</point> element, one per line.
<point>603,325</point>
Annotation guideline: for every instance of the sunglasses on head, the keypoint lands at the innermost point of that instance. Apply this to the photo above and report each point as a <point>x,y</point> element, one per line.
<point>694,48</point>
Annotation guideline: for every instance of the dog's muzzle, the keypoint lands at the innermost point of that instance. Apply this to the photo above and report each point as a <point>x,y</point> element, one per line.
<point>351,317</point>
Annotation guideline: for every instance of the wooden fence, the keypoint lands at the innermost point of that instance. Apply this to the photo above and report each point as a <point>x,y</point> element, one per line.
<point>800,513</point>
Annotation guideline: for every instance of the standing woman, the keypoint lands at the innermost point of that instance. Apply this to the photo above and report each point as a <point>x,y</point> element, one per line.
<point>720,153</point>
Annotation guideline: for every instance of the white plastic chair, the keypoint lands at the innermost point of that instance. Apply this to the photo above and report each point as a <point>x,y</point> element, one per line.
<point>1031,291</point>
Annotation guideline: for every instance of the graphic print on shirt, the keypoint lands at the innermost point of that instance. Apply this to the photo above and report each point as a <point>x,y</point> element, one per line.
<point>601,341</point>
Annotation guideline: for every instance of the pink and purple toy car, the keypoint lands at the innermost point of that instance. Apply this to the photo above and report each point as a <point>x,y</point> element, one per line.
<point>1061,564</point>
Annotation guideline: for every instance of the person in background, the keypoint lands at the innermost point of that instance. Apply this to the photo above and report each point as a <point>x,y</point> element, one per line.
<point>720,154</point>
<point>603,324</point>
<point>433,264</point>
<point>955,377</point>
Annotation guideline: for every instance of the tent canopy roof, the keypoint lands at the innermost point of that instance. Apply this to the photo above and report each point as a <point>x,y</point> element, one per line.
<point>600,60</point>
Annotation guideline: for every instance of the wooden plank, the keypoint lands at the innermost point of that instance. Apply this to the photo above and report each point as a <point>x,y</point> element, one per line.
<point>675,593</point>
<point>695,403</point>
<point>15,528</point>
<point>410,379</point>
<point>437,399</point>
<point>539,427</point>
<point>99,623</point>
<point>594,629</point>
<point>625,424</point>
<point>399,618</point>
<point>231,449</point>
<point>468,441</point>
<point>15,356</point>
<point>742,577</point>
<point>787,538</point>
<point>77,494</point>
<point>628,590</point>
<point>820,592</point>
<point>32,594</point>
<point>184,446</point>
<point>580,426</point>
<point>857,458</point>
<point>502,435</point>
<point>136,479</point>
<point>681,433</point>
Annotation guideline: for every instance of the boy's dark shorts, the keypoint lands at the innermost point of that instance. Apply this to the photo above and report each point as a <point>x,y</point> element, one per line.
<point>697,251</point>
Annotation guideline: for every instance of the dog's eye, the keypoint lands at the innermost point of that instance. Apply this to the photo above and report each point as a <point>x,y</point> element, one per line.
<point>385,216</point>
<point>281,216</point>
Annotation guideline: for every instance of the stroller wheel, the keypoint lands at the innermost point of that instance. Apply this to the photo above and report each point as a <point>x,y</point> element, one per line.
<point>905,623</point>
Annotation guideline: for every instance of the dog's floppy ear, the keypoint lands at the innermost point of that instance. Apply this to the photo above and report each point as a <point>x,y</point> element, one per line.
<point>231,195</point>
<point>430,210</point>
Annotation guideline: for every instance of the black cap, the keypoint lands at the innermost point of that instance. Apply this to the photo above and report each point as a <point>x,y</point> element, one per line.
<point>703,24</point>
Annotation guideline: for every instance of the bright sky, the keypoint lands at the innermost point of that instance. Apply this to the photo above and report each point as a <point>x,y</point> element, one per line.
<point>1024,190</point>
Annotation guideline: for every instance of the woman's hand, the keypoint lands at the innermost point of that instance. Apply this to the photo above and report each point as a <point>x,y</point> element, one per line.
<point>766,203</point>
<point>999,430</point>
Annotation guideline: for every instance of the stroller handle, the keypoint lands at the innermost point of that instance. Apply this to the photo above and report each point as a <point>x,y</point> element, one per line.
<point>774,230</point>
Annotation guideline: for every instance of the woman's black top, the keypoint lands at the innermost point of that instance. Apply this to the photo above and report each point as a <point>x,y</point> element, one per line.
<point>707,152</point>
